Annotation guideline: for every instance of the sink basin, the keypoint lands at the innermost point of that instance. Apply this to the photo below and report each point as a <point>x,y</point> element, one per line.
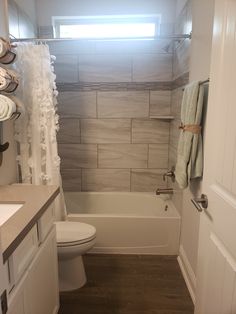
<point>8,210</point>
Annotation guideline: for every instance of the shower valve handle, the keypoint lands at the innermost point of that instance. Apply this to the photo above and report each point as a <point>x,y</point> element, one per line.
<point>169,174</point>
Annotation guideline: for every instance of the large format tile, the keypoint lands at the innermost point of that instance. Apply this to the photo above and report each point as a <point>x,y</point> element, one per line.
<point>66,68</point>
<point>172,156</point>
<point>74,156</point>
<point>152,67</point>
<point>104,68</point>
<point>75,47</point>
<point>123,104</point>
<point>132,47</point>
<point>122,156</point>
<point>77,104</point>
<point>160,102</point>
<point>147,180</point>
<point>177,96</point>
<point>71,179</point>
<point>105,131</point>
<point>106,180</point>
<point>181,59</point>
<point>150,131</point>
<point>174,132</point>
<point>69,131</point>
<point>158,156</point>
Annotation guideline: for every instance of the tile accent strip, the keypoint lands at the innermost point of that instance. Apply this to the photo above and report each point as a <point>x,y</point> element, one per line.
<point>119,86</point>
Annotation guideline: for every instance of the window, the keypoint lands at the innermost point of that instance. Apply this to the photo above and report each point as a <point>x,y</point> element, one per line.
<point>107,27</point>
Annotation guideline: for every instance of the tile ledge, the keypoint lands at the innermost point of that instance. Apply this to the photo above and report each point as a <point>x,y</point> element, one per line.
<point>161,117</point>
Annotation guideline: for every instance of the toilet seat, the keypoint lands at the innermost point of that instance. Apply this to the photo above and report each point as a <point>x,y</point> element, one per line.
<point>71,233</point>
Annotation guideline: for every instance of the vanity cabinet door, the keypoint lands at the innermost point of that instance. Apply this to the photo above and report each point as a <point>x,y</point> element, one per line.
<point>42,292</point>
<point>16,299</point>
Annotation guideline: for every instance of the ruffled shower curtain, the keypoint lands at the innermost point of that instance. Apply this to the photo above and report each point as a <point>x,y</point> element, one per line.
<point>35,131</point>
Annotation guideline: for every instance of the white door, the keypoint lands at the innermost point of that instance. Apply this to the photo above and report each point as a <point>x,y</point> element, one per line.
<point>216,274</point>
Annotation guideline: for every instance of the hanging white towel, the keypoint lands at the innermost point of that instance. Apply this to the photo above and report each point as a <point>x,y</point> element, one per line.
<point>7,108</point>
<point>190,155</point>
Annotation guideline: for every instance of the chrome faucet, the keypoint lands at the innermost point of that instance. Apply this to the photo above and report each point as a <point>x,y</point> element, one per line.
<point>164,191</point>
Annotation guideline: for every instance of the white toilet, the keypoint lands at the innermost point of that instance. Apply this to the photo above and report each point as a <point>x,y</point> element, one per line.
<point>73,240</point>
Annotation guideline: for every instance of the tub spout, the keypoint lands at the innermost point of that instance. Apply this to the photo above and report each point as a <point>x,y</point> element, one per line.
<point>164,191</point>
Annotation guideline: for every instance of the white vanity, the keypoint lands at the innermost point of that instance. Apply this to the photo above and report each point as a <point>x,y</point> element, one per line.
<point>29,249</point>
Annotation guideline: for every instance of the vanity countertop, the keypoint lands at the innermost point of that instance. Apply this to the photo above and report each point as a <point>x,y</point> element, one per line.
<point>35,200</point>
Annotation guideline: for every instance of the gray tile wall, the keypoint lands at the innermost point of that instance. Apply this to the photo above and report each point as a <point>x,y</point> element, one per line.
<point>107,93</point>
<point>119,148</point>
<point>180,77</point>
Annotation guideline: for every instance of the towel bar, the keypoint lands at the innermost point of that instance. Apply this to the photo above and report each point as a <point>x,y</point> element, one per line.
<point>202,83</point>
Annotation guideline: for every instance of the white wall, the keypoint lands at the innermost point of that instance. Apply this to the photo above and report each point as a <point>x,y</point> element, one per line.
<point>28,6</point>
<point>46,9</point>
<point>8,167</point>
<point>199,70</point>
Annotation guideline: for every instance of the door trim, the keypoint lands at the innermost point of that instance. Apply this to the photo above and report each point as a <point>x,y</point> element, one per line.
<point>187,272</point>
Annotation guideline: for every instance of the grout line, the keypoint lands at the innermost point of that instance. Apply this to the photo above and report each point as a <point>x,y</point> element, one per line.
<point>80,127</point>
<point>149,110</point>
<point>82,180</point>
<point>132,68</point>
<point>96,104</point>
<point>130,179</point>
<point>131,131</point>
<point>78,76</point>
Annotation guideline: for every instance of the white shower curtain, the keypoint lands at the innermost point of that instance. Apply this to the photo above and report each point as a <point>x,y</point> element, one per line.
<point>35,132</point>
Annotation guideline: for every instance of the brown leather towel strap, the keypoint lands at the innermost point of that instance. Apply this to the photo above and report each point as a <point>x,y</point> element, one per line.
<point>193,128</point>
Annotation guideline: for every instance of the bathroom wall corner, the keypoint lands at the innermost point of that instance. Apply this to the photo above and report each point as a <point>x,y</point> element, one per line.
<point>8,173</point>
<point>200,58</point>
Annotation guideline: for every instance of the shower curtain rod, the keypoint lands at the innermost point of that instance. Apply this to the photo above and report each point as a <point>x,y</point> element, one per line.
<point>173,37</point>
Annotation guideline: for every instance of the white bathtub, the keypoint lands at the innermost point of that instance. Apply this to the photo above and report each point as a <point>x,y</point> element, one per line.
<point>127,223</point>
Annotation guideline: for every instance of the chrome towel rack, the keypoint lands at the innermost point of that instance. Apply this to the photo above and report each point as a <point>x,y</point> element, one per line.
<point>201,83</point>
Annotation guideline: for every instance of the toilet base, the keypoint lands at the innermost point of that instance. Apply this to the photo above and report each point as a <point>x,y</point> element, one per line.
<point>72,275</point>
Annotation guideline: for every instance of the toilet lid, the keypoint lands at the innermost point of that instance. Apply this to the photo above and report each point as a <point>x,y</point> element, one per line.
<point>72,233</point>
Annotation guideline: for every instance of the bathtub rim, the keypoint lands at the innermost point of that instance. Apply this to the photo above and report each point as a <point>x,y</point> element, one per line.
<point>165,198</point>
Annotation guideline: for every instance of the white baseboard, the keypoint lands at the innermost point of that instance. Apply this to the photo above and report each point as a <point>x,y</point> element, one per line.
<point>188,273</point>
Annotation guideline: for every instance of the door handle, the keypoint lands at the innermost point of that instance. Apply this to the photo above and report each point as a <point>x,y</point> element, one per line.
<point>200,203</point>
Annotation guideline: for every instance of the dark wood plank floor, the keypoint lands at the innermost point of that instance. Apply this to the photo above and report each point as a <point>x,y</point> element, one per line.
<point>129,284</point>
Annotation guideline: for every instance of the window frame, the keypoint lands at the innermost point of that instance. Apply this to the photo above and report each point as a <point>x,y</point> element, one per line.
<point>109,19</point>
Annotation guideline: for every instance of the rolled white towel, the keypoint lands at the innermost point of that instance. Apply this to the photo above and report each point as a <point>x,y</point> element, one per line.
<point>7,108</point>
<point>4,81</point>
<point>8,80</point>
